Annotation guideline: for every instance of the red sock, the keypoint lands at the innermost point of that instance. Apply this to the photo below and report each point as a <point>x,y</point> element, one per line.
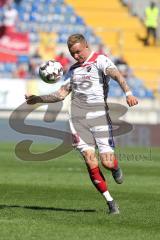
<point>115,164</point>
<point>98,179</point>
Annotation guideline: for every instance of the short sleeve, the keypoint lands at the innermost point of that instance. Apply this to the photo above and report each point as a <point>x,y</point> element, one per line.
<point>104,62</point>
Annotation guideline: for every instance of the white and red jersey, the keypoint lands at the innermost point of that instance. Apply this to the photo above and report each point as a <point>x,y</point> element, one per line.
<point>89,82</point>
<point>88,119</point>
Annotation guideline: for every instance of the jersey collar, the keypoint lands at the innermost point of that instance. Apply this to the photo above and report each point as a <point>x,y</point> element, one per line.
<point>89,57</point>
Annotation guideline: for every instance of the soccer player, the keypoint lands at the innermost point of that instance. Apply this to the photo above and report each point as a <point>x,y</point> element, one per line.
<point>87,80</point>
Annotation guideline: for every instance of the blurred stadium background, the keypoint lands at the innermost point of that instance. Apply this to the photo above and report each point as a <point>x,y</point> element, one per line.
<point>40,32</point>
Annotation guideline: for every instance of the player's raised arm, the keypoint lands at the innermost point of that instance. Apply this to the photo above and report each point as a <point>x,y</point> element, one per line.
<point>116,75</point>
<point>50,98</point>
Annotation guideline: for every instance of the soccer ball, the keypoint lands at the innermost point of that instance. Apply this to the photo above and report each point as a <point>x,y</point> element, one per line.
<point>51,71</point>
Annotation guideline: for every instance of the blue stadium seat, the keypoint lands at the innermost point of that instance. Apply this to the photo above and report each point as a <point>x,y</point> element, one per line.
<point>2,67</point>
<point>79,20</point>
<point>9,67</point>
<point>23,59</point>
<point>57,9</point>
<point>115,92</point>
<point>69,10</point>
<point>135,82</point>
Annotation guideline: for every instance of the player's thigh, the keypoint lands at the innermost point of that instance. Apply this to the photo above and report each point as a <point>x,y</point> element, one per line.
<point>82,137</point>
<point>103,135</point>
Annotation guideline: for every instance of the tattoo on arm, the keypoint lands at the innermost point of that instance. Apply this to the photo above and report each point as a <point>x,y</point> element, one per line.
<point>51,98</point>
<point>56,96</point>
<point>115,74</point>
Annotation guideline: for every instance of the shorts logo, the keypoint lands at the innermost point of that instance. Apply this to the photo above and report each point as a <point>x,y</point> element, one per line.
<point>97,182</point>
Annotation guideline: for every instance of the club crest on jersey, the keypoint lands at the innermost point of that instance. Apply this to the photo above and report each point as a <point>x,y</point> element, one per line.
<point>89,68</point>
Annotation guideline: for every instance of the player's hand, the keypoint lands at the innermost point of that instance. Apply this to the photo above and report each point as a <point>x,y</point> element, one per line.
<point>32,99</point>
<point>131,100</point>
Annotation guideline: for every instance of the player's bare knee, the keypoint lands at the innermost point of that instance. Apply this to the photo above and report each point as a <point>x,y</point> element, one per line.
<point>90,159</point>
<point>107,160</point>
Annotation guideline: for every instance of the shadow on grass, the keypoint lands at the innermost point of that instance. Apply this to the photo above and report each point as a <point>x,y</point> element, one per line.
<point>48,208</point>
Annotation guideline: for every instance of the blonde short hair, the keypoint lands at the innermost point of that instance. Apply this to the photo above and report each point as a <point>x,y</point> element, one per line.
<point>75,38</point>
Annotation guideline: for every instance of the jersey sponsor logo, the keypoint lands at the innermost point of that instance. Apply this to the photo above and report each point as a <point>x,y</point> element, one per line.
<point>81,78</point>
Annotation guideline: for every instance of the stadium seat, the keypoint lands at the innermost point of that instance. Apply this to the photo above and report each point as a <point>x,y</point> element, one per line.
<point>23,59</point>
<point>9,67</point>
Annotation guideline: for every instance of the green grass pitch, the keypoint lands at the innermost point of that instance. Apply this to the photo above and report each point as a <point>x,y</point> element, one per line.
<point>56,200</point>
